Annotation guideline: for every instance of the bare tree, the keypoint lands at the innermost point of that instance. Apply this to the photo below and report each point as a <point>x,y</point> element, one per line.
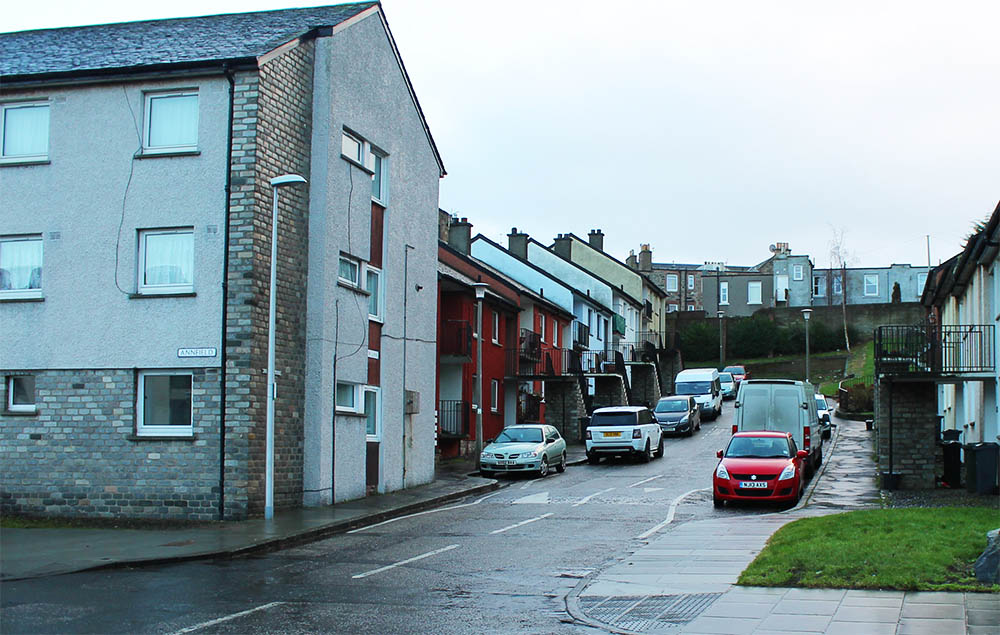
<point>839,257</point>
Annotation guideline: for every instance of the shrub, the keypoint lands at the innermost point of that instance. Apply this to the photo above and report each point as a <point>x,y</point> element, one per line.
<point>700,340</point>
<point>860,398</point>
<point>752,337</point>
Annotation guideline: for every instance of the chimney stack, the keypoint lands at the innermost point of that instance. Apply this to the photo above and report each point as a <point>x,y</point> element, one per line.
<point>596,238</point>
<point>631,261</point>
<point>460,235</point>
<point>563,245</point>
<point>517,243</point>
<point>645,258</point>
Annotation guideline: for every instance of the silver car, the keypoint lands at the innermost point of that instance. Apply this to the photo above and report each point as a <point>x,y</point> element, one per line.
<point>524,448</point>
<point>823,410</point>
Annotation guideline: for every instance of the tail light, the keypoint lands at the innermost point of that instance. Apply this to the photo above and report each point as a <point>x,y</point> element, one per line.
<point>637,434</point>
<point>805,438</point>
<point>588,433</point>
<point>734,428</point>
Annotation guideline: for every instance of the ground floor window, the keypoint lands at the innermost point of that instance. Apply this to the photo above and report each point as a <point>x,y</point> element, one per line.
<point>373,412</point>
<point>21,393</point>
<point>164,403</point>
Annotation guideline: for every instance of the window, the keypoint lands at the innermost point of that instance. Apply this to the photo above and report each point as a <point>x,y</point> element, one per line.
<point>871,284</point>
<point>797,272</point>
<point>357,150</point>
<point>164,404</point>
<point>21,266</point>
<point>494,395</point>
<point>837,286</point>
<point>753,292</point>
<point>672,308</point>
<point>171,122</point>
<point>541,326</point>
<point>671,282</point>
<point>166,261</point>
<point>373,283</point>
<point>24,128</point>
<point>819,286</point>
<point>690,282</point>
<point>690,307</point>
<point>373,412</point>
<point>347,397</point>
<point>723,293</point>
<point>21,393</point>
<point>349,271</point>
<point>352,148</point>
<point>380,176</point>
<point>921,283</point>
<point>496,327</point>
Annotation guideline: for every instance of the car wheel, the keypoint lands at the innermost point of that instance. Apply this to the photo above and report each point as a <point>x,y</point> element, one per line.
<point>659,448</point>
<point>717,502</point>
<point>819,457</point>
<point>561,467</point>
<point>593,459</point>
<point>699,426</point>
<point>647,454</point>
<point>543,468</point>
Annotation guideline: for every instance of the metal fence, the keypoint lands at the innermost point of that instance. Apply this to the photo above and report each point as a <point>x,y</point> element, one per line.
<point>934,349</point>
<point>453,417</point>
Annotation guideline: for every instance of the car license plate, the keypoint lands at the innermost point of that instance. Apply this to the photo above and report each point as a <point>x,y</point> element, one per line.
<point>507,462</point>
<point>615,435</point>
<point>753,484</point>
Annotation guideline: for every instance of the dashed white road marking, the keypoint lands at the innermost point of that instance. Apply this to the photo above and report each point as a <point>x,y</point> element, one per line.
<point>646,480</point>
<point>428,511</point>
<point>196,627</point>
<point>402,562</point>
<point>670,514</point>
<point>523,522</point>
<point>586,499</point>
<point>527,485</point>
<point>651,489</point>
<point>541,498</point>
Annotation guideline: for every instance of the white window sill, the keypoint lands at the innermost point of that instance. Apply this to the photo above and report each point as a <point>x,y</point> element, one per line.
<point>161,294</point>
<point>150,153</point>
<point>21,411</point>
<point>347,284</point>
<point>342,412</point>
<point>21,296</point>
<point>16,161</point>
<point>156,436</point>
<point>373,438</point>
<point>355,163</point>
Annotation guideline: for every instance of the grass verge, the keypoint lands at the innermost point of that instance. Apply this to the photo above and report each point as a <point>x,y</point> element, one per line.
<point>861,363</point>
<point>917,549</point>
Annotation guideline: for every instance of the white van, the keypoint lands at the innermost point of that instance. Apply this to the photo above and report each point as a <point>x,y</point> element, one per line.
<point>703,384</point>
<point>785,405</point>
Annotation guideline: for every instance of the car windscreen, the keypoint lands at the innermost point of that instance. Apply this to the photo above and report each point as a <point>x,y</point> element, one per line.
<point>671,405</point>
<point>736,370</point>
<point>821,402</point>
<point>726,378</point>
<point>520,435</point>
<point>758,447</point>
<point>693,388</point>
<point>613,419</point>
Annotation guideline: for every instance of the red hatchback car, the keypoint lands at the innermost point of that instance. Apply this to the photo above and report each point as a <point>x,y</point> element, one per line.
<point>739,373</point>
<point>759,466</point>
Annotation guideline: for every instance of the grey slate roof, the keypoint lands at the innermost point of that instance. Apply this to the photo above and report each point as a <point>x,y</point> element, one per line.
<point>153,43</point>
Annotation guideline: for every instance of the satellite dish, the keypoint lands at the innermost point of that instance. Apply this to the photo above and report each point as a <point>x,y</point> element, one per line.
<point>772,248</point>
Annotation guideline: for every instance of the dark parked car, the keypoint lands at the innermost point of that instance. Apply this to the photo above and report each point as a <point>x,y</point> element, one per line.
<point>679,414</point>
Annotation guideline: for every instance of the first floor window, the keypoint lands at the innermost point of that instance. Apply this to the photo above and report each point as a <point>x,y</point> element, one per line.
<point>166,260</point>
<point>753,293</point>
<point>496,327</point>
<point>494,395</point>
<point>672,308</point>
<point>671,282</point>
<point>797,272</point>
<point>350,147</point>
<point>723,293</point>
<point>21,393</point>
<point>838,287</point>
<point>347,396</point>
<point>21,266</point>
<point>541,326</point>
<point>164,407</point>
<point>690,282</point>
<point>171,121</point>
<point>380,181</point>
<point>373,284</point>
<point>690,307</point>
<point>373,412</point>
<point>819,284</point>
<point>871,284</point>
<point>24,132</point>
<point>350,271</point>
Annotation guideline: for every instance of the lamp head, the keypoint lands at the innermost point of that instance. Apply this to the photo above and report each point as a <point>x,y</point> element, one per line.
<point>287,179</point>
<point>806,313</point>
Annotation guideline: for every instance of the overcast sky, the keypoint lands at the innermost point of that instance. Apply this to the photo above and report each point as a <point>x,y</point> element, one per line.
<point>707,129</point>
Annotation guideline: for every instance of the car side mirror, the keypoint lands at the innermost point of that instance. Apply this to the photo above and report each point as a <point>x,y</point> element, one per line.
<point>489,441</point>
<point>805,406</point>
<point>548,441</point>
<point>736,404</point>
<point>720,453</point>
<point>801,454</point>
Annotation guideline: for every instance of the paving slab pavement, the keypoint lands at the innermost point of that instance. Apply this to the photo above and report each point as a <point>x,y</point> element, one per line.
<point>694,587</point>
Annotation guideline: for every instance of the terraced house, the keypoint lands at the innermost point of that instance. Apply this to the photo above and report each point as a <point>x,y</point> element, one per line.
<point>140,166</point>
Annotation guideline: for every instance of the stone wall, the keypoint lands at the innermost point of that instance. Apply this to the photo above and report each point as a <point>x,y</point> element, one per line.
<point>564,407</point>
<point>915,429</point>
<point>78,455</point>
<point>645,384</point>
<point>609,390</point>
<point>862,317</point>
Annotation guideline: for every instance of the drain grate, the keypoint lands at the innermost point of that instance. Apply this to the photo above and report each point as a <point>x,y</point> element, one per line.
<point>650,612</point>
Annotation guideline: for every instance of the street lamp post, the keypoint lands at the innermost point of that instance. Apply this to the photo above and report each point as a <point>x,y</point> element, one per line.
<point>722,348</point>
<point>805,315</point>
<point>480,288</point>
<point>272,389</point>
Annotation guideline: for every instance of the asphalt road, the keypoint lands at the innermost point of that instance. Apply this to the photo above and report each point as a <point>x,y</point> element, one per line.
<point>502,562</point>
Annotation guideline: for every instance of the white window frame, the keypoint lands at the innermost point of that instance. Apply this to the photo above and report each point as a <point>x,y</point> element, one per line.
<point>355,282</point>
<point>690,307</point>
<point>496,327</point>
<point>673,308</point>
<point>690,282</point>
<point>24,294</point>
<point>377,163</point>
<point>22,407</point>
<point>23,158</point>
<point>671,282</point>
<point>143,430</point>
<point>160,289</point>
<point>348,142</point>
<point>759,286</point>
<point>724,293</point>
<point>494,395</point>
<point>358,407</point>
<point>148,99</point>
<point>541,326</point>
<point>869,277</point>
<point>797,272</point>
<point>819,286</point>
<point>378,412</point>
<point>378,294</point>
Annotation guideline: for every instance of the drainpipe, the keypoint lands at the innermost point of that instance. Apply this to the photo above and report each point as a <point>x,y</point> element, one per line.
<point>406,289</point>
<point>225,298</point>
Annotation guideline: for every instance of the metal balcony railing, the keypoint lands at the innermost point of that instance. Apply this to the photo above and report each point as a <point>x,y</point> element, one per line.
<point>924,349</point>
<point>546,362</point>
<point>529,345</point>
<point>456,338</point>
<point>453,417</point>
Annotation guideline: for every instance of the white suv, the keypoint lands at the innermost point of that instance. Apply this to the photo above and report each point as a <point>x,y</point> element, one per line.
<point>622,430</point>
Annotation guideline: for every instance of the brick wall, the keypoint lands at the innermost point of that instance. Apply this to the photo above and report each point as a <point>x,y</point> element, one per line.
<point>564,406</point>
<point>78,454</point>
<point>915,428</point>
<point>609,390</point>
<point>645,385</point>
